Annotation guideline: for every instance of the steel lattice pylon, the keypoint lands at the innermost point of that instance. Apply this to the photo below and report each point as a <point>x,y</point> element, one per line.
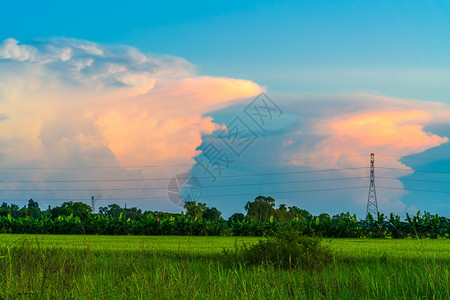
<point>93,204</point>
<point>372,205</point>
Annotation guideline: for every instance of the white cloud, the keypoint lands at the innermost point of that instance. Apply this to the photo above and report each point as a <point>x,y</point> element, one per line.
<point>76,103</point>
<point>340,132</point>
<point>10,49</point>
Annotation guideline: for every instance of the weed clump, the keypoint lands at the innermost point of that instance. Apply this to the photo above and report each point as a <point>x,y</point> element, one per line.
<point>287,249</point>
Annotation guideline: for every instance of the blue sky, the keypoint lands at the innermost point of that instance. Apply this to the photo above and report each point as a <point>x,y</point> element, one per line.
<point>390,54</point>
<point>392,47</point>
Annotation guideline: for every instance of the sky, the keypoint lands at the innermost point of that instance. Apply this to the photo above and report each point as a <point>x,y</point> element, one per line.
<point>280,98</point>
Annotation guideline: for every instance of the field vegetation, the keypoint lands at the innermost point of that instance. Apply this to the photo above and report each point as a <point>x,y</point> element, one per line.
<point>180,267</point>
<point>261,219</point>
<point>68,252</point>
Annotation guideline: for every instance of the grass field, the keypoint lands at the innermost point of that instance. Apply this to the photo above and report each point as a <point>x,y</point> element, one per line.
<point>180,267</point>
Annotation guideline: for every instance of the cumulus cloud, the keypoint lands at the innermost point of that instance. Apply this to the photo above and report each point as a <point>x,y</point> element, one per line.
<point>340,132</point>
<point>72,103</point>
<point>66,102</point>
<point>355,124</point>
<point>363,124</point>
<point>82,63</point>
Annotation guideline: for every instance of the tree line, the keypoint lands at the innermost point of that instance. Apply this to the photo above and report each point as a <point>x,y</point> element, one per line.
<point>262,218</point>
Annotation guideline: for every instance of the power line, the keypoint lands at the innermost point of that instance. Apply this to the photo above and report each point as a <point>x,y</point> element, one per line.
<point>412,171</point>
<point>171,165</point>
<point>164,188</point>
<point>242,194</point>
<point>294,159</point>
<point>288,192</point>
<point>205,196</point>
<point>415,157</point>
<point>413,190</point>
<point>415,180</point>
<point>193,164</point>
<point>239,194</point>
<point>200,177</point>
<point>223,176</point>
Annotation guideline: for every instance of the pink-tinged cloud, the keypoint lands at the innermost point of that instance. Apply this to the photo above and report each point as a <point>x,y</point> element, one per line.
<point>144,109</point>
<point>72,103</point>
<point>363,124</point>
<point>341,132</point>
<point>399,132</point>
<point>166,124</point>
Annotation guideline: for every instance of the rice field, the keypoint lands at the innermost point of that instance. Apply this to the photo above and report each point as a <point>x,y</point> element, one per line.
<point>182,267</point>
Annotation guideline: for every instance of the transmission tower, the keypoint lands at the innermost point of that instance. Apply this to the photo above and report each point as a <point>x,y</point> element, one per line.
<point>372,205</point>
<point>93,204</point>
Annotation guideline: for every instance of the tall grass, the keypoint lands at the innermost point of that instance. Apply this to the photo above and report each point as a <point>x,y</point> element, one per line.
<point>33,268</point>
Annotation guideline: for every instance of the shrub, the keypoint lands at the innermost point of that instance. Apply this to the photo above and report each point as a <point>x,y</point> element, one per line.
<point>287,249</point>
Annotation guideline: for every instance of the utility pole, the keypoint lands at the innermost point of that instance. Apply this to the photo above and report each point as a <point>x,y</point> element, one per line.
<point>372,205</point>
<point>93,204</point>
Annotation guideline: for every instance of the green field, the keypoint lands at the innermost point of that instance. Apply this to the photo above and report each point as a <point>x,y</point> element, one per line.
<point>180,267</point>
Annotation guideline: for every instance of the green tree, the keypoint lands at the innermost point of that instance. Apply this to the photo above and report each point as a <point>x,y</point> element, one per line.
<point>133,213</point>
<point>4,211</point>
<point>212,214</point>
<point>78,209</point>
<point>296,212</point>
<point>261,209</point>
<point>282,214</point>
<point>33,206</point>
<point>25,212</point>
<point>236,217</point>
<point>195,210</point>
<point>60,211</point>
<point>14,209</point>
<point>114,210</point>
